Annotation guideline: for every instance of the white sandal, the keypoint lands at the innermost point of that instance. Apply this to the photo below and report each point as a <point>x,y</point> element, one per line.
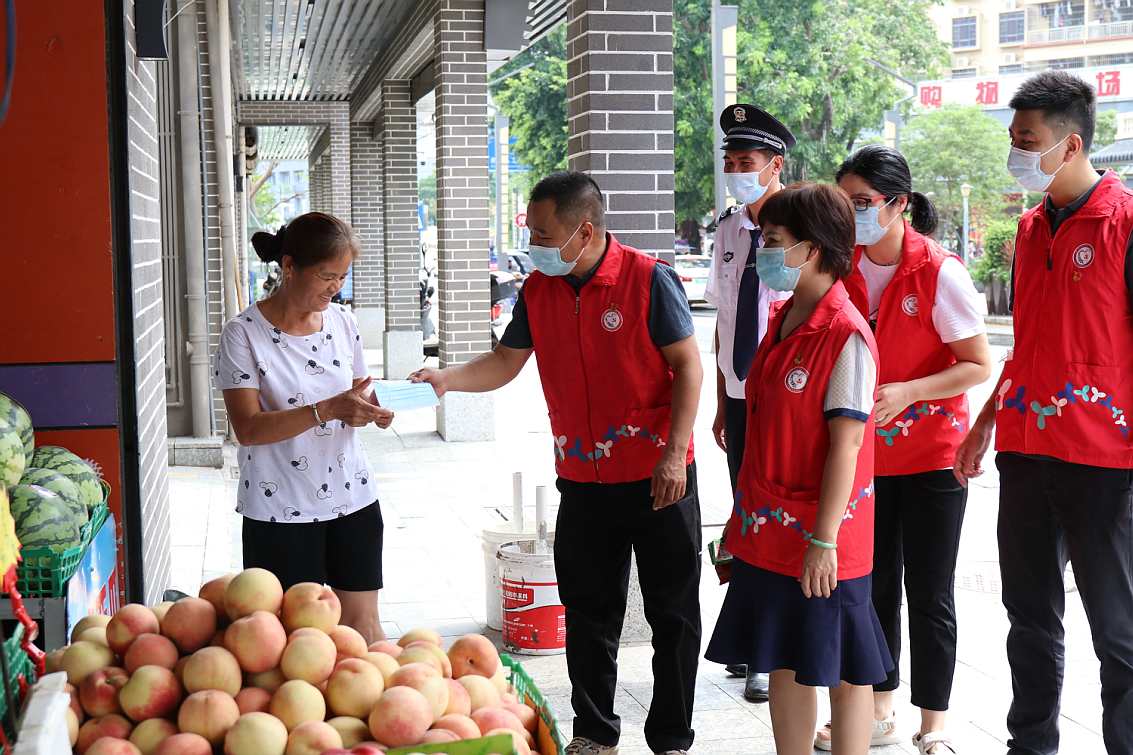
<point>926,742</point>
<point>884,733</point>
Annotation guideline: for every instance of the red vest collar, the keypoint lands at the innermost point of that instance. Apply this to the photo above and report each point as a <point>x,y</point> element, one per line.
<point>1101,204</point>
<point>611,265</point>
<point>820,319</point>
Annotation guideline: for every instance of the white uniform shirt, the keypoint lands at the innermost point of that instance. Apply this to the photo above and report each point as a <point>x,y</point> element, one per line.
<point>733,239</point>
<point>321,473</point>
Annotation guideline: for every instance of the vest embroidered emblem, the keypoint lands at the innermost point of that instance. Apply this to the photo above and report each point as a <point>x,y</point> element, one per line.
<point>910,305</point>
<point>612,318</point>
<point>1083,256</point>
<point>796,379</point>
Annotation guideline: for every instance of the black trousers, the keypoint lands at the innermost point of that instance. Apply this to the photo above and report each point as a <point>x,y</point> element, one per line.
<point>735,435</point>
<point>916,529</point>
<point>597,526</point>
<point>1051,511</point>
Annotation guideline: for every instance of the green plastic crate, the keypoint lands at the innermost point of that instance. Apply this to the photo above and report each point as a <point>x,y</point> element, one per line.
<point>500,744</point>
<point>18,663</point>
<point>548,737</point>
<point>43,573</point>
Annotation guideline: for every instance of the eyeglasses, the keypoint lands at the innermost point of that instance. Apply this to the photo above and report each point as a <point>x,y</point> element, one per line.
<point>863,203</point>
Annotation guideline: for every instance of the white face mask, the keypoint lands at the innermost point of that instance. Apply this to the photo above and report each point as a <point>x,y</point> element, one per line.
<point>1026,167</point>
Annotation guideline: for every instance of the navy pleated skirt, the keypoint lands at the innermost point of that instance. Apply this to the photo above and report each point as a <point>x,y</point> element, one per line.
<point>767,623</point>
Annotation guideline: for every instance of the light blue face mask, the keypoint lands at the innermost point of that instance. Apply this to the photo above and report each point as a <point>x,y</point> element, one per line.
<point>548,259</point>
<point>745,187</point>
<point>403,395</point>
<point>771,265</point>
<point>867,229</point>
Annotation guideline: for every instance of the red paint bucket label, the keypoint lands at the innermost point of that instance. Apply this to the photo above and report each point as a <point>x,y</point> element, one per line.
<point>534,620</point>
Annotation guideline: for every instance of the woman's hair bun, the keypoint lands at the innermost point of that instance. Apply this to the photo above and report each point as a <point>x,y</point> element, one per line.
<point>269,246</point>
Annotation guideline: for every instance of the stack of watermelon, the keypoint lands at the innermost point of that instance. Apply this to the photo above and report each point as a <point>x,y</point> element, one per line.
<point>52,491</point>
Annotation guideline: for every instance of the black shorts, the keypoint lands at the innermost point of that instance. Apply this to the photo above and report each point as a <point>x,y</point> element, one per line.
<point>345,552</point>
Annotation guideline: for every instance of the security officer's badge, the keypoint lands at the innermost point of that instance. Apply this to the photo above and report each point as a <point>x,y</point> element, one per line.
<point>728,256</point>
<point>740,114</point>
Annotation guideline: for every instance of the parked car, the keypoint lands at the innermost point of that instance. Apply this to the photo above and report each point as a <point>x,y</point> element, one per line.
<point>693,270</point>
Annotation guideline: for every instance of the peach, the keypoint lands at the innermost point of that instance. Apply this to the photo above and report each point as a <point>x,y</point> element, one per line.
<point>190,623</point>
<point>438,737</point>
<point>217,640</point>
<point>400,717</point>
<point>113,746</point>
<point>93,634</point>
<point>354,687</point>
<point>309,657</point>
<point>462,725</point>
<point>412,672</point>
<point>499,680</point>
<point>352,730</point>
<point>496,718</point>
<point>385,663</point>
<point>369,747</point>
<point>213,668</point>
<point>152,692</point>
<point>253,590</point>
<point>392,649</point>
<point>151,649</point>
<point>76,701</point>
<point>521,746</point>
<point>309,604</point>
<point>446,665</point>
<point>85,623</point>
<point>186,743</point>
<point>179,669</point>
<point>54,660</point>
<point>312,738</point>
<point>73,726</point>
<point>213,591</point>
<point>160,610</point>
<point>210,713</point>
<point>349,642</point>
<point>271,680</point>
<point>99,691</point>
<point>253,698</point>
<point>420,655</point>
<point>526,715</point>
<point>84,658</point>
<point>481,692</point>
<point>435,691</point>
<point>257,641</point>
<point>149,734</point>
<point>256,734</point>
<point>474,654</point>
<point>509,697</point>
<point>458,699</point>
<point>298,701</point>
<point>112,725</point>
<point>130,621</point>
<point>421,633</point>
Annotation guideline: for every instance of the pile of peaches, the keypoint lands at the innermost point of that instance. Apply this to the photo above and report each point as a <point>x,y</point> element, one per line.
<point>251,670</point>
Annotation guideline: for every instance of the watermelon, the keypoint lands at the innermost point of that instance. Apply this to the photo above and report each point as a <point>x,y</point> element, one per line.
<point>42,519</point>
<point>68,491</point>
<point>17,416</point>
<point>71,466</point>
<point>12,458</point>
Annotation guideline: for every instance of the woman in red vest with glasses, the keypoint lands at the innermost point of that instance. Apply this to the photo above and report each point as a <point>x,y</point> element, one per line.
<point>924,311</point>
<point>798,603</point>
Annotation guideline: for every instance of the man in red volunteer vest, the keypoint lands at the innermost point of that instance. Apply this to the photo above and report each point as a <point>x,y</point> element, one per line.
<point>621,373</point>
<point>1061,414</point>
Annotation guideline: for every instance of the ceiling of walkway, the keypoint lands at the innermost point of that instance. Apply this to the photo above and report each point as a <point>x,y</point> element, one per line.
<point>287,142</point>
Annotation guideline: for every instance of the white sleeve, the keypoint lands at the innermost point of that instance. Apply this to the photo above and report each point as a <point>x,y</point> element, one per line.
<point>850,391</point>
<point>234,363</point>
<point>956,312</point>
<point>711,293</point>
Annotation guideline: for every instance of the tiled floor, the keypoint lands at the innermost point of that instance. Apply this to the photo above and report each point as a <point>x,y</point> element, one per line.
<point>437,497</point>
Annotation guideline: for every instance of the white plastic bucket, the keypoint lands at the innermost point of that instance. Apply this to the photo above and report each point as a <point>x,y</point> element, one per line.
<point>493,538</point>
<point>533,616</point>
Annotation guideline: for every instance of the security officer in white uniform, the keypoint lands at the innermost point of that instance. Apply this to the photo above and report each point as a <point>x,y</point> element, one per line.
<point>755,143</point>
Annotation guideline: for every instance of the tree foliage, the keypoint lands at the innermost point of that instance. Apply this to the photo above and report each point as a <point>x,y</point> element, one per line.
<point>1106,131</point>
<point>694,121</point>
<point>998,250</point>
<point>954,145</point>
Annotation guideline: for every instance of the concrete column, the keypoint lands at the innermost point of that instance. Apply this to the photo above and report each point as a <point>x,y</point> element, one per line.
<point>620,111</point>
<point>338,189</point>
<point>401,340</point>
<point>462,209</point>
<point>366,209</point>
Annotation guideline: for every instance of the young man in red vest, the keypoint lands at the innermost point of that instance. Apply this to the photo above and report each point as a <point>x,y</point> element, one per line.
<point>621,373</point>
<point>1061,416</point>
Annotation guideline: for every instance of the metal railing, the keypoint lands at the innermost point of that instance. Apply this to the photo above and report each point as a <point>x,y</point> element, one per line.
<point>1054,36</point>
<point>1117,29</point>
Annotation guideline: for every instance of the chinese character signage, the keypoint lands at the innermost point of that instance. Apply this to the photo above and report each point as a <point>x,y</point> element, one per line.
<point>995,92</point>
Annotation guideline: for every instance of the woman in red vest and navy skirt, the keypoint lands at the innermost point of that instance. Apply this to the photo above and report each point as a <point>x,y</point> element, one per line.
<point>798,604</point>
<point>924,311</point>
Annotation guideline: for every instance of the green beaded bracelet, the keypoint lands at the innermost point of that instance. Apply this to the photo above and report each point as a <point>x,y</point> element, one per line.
<point>820,544</point>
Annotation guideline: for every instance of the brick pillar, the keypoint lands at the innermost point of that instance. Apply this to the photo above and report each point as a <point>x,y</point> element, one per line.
<point>401,341</point>
<point>620,110</point>
<point>462,208</point>
<point>366,209</point>
<point>338,188</point>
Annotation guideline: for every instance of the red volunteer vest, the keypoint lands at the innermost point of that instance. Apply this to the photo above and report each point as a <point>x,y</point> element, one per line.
<point>927,435</point>
<point>787,443</point>
<point>1068,390</point>
<point>608,386</point>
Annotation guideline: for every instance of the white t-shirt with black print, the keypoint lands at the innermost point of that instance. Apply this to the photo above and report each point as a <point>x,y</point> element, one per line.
<point>321,473</point>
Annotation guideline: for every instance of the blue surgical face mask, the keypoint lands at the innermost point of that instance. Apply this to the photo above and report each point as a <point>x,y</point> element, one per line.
<point>548,259</point>
<point>771,265</point>
<point>868,229</point>
<point>745,187</point>
<point>402,395</point>
<point>1026,167</point>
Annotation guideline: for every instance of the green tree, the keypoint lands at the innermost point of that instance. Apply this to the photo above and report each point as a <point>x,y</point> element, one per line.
<point>954,145</point>
<point>694,121</point>
<point>427,194</point>
<point>535,100</point>
<point>1106,131</point>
